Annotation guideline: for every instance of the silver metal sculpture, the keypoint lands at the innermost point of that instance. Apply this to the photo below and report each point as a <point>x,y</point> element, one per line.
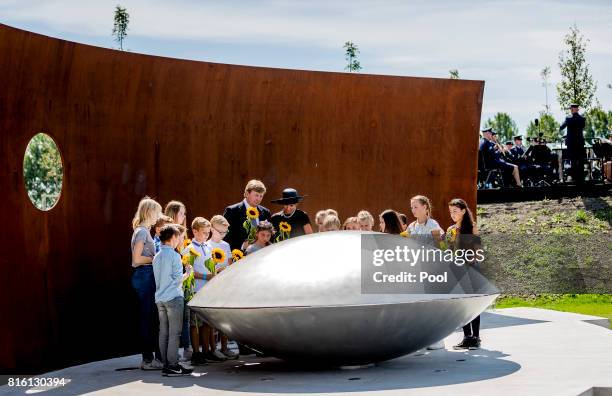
<point>302,299</point>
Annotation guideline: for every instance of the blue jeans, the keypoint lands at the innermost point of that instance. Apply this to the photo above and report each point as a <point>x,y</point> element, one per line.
<point>143,283</point>
<point>185,333</point>
<point>170,325</point>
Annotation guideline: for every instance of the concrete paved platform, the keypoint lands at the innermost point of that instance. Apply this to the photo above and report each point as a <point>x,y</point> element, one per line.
<point>525,351</point>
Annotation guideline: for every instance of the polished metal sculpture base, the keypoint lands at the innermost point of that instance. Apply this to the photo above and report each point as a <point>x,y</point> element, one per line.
<point>301,299</point>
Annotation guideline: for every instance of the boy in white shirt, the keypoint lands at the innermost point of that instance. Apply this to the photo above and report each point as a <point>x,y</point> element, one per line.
<point>200,330</point>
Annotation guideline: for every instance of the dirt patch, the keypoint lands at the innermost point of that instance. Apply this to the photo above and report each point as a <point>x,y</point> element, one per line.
<point>548,246</point>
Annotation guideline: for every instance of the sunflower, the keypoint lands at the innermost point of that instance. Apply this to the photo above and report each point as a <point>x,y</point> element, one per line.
<point>252,212</point>
<point>194,252</point>
<point>453,234</point>
<point>218,255</point>
<point>284,226</point>
<point>237,254</point>
<point>186,242</point>
<point>404,233</point>
<point>185,259</point>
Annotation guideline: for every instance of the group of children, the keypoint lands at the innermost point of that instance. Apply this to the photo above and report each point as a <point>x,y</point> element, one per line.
<point>169,269</point>
<point>424,227</point>
<point>161,276</point>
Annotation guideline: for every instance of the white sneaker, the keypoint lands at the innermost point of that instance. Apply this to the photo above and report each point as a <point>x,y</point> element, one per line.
<point>229,354</point>
<point>152,365</point>
<point>218,354</point>
<point>187,353</point>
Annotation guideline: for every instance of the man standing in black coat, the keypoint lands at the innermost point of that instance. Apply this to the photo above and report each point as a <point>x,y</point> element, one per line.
<point>236,213</point>
<point>574,141</point>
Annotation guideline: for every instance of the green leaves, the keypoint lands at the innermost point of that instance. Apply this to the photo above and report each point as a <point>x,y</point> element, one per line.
<point>577,85</point>
<point>547,125</point>
<point>120,27</point>
<point>42,171</point>
<point>504,125</point>
<point>351,51</point>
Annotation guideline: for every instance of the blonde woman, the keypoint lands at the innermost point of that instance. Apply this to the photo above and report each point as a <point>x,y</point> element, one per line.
<point>178,212</point>
<point>143,281</point>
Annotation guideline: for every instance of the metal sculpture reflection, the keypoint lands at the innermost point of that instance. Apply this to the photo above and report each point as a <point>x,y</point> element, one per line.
<point>302,299</point>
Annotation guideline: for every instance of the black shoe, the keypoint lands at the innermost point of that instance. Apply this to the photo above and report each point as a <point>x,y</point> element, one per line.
<point>176,371</point>
<point>465,343</point>
<point>212,358</point>
<point>475,344</point>
<point>198,359</point>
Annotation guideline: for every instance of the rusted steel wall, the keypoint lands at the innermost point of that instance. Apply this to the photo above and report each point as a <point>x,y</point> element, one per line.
<point>130,125</point>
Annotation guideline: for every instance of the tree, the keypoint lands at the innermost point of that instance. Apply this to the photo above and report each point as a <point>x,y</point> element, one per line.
<point>546,125</point>
<point>42,171</point>
<point>454,74</point>
<point>577,85</point>
<point>598,123</point>
<point>122,19</point>
<point>504,125</point>
<point>545,74</point>
<point>351,52</point>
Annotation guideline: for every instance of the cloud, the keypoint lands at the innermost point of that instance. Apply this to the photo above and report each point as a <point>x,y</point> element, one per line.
<point>504,43</point>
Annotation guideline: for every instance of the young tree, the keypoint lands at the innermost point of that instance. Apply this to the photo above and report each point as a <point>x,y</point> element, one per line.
<point>350,55</point>
<point>454,74</point>
<point>545,74</point>
<point>598,123</point>
<point>546,125</point>
<point>577,85</point>
<point>122,19</point>
<point>504,125</point>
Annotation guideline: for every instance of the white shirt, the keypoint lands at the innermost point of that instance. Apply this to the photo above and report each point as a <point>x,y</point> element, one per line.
<point>198,263</point>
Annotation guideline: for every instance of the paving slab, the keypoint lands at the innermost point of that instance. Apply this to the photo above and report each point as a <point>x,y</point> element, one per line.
<point>525,351</point>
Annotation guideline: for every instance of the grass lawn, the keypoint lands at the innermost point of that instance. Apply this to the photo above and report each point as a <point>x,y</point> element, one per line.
<point>588,304</point>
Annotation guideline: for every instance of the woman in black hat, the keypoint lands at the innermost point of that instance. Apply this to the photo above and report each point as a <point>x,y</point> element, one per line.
<point>291,221</point>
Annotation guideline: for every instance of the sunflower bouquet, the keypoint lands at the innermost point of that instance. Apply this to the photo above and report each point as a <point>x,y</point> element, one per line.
<point>189,256</point>
<point>250,224</point>
<point>237,254</point>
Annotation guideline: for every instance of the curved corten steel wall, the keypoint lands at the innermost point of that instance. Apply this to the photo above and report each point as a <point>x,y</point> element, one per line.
<point>130,125</point>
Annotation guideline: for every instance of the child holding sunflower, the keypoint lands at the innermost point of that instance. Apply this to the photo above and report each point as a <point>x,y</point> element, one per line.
<point>222,257</point>
<point>177,211</point>
<point>463,234</point>
<point>203,268</point>
<point>264,233</point>
<point>169,297</point>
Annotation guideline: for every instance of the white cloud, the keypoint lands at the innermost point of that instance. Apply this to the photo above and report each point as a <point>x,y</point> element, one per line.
<point>504,43</point>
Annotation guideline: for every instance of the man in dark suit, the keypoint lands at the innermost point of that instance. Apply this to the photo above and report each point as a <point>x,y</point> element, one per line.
<point>574,140</point>
<point>236,213</point>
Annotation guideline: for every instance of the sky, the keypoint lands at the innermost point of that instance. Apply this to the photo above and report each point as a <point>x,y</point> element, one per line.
<point>504,43</point>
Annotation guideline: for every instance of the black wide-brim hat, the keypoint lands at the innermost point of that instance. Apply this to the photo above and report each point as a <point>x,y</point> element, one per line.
<point>290,196</point>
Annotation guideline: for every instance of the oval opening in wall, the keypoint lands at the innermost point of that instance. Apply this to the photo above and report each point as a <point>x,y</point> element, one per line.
<point>43,171</point>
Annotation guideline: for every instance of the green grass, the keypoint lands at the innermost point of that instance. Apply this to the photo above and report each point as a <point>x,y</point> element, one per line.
<point>588,304</point>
